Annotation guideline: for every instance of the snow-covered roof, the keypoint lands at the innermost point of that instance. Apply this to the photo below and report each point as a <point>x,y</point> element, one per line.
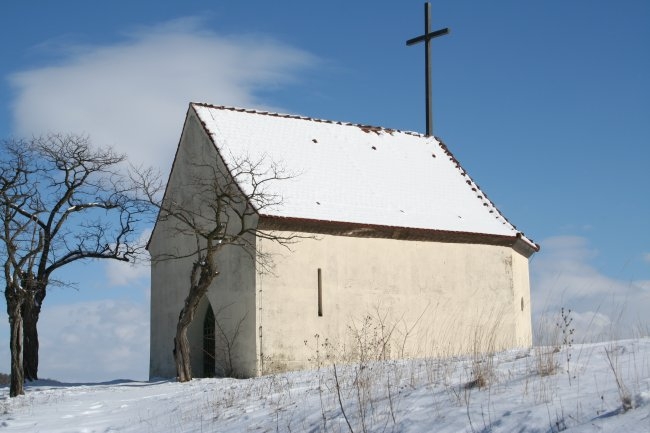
<point>355,173</point>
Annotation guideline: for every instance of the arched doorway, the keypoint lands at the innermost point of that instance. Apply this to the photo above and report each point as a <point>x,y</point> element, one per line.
<point>209,343</point>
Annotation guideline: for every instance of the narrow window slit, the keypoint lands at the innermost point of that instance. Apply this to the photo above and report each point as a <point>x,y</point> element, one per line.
<point>320,293</point>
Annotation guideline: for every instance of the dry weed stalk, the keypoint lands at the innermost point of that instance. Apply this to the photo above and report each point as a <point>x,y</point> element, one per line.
<point>366,390</point>
<point>552,335</point>
<point>623,393</point>
<point>484,346</point>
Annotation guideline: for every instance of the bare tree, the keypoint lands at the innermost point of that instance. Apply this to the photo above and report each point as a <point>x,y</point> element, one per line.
<point>61,200</point>
<point>220,208</point>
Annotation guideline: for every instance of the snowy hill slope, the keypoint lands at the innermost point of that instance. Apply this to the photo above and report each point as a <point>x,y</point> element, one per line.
<point>517,395</point>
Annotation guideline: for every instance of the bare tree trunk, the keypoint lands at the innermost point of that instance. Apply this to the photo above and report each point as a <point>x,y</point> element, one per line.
<point>181,343</point>
<point>16,348</point>
<point>31,312</point>
<point>182,347</point>
<point>197,291</point>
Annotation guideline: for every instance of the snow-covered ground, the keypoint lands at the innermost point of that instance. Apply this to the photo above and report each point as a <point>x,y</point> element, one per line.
<point>405,396</point>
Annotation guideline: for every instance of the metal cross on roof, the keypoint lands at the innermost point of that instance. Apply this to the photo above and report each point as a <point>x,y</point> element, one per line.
<point>426,38</point>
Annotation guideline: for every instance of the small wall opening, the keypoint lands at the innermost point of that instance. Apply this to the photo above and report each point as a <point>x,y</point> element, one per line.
<point>320,293</point>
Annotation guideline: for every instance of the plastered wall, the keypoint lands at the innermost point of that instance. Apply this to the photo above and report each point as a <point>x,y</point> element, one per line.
<point>432,298</point>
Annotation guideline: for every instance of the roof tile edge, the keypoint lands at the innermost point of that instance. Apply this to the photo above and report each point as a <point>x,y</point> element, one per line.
<point>363,127</point>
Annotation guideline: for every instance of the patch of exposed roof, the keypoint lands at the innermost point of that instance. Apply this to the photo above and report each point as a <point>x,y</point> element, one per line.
<point>359,174</point>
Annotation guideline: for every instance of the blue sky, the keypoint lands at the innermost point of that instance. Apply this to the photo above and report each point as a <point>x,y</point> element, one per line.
<point>546,104</point>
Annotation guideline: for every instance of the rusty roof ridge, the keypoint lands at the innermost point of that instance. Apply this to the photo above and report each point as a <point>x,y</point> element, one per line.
<point>311,119</point>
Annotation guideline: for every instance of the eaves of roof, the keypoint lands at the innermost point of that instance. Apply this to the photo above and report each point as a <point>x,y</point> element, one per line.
<point>341,228</point>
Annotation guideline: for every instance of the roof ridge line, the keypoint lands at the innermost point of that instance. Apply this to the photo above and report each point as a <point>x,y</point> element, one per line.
<point>363,127</point>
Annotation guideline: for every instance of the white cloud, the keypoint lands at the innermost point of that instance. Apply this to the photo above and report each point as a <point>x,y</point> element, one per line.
<point>602,307</point>
<point>92,341</point>
<point>126,274</point>
<point>133,95</point>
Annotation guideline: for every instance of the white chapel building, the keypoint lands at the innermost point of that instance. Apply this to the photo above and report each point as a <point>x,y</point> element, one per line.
<point>394,235</point>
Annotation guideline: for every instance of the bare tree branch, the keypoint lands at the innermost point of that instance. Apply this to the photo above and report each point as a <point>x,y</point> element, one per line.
<point>61,200</point>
